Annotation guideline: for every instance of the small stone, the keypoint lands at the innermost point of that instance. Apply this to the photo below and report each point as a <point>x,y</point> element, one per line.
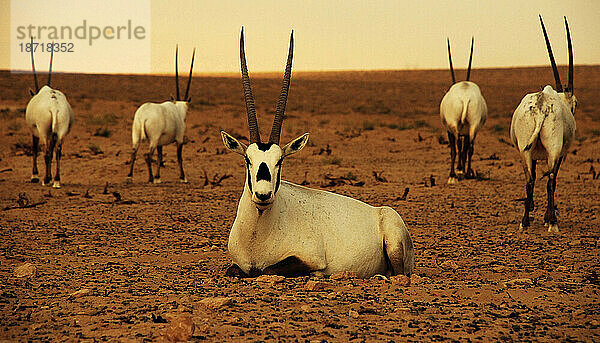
<point>401,280</point>
<point>313,285</point>
<point>345,275</point>
<point>181,329</point>
<point>416,279</point>
<point>26,270</point>
<point>379,277</point>
<point>306,308</point>
<point>270,278</point>
<point>449,265</point>
<point>353,314</point>
<point>216,302</point>
<point>403,310</point>
<point>519,282</point>
<point>80,293</point>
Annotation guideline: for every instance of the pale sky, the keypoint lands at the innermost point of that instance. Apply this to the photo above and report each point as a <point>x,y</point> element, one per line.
<point>360,35</point>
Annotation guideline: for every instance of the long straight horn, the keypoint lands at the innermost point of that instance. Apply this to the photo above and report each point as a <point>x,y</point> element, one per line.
<point>176,73</point>
<point>250,108</point>
<point>187,89</point>
<point>35,80</point>
<point>450,58</point>
<point>280,111</point>
<point>470,59</point>
<point>559,87</point>
<point>50,68</point>
<point>570,84</point>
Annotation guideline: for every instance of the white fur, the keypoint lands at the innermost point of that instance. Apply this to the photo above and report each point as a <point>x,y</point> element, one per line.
<point>49,114</point>
<point>543,128</point>
<point>328,232</point>
<point>463,111</point>
<point>159,124</point>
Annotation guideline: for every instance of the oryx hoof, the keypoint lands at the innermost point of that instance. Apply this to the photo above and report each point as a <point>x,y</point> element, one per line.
<point>56,184</point>
<point>452,180</point>
<point>156,181</point>
<point>129,179</point>
<point>35,179</point>
<point>545,224</point>
<point>46,182</point>
<point>184,180</point>
<point>553,228</point>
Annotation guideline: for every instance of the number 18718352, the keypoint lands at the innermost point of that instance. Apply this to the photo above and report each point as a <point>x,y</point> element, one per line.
<point>47,47</point>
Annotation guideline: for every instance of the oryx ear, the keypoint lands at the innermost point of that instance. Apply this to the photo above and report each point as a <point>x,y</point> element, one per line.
<point>31,92</point>
<point>295,145</point>
<point>233,144</point>
<point>172,98</point>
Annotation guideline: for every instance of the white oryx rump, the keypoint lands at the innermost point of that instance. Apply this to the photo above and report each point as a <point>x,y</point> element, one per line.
<point>543,128</point>
<point>49,117</point>
<point>162,124</point>
<point>463,111</point>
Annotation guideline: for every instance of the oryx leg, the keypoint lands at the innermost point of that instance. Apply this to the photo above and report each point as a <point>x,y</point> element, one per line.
<point>529,169</point>
<point>35,147</point>
<point>470,173</point>
<point>149,161</point>
<point>235,271</point>
<point>452,142</point>
<point>180,161</point>
<point>56,183</point>
<point>550,216</point>
<point>460,167</point>
<point>397,242</point>
<point>290,267</point>
<point>133,155</point>
<point>159,156</point>
<point>48,159</point>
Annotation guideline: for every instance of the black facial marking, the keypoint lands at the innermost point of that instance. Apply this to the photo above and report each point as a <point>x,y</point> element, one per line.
<point>278,178</point>
<point>297,144</point>
<point>231,143</point>
<point>263,173</point>
<point>249,175</point>
<point>264,146</point>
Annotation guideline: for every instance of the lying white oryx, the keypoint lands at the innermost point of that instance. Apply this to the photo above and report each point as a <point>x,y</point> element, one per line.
<point>162,124</point>
<point>463,112</point>
<point>286,229</point>
<point>49,117</point>
<point>543,128</point>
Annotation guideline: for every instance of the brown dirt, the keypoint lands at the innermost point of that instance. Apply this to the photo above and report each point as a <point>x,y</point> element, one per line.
<point>156,256</point>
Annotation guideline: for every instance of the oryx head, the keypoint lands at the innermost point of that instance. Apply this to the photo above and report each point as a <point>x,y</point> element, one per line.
<point>35,80</point>
<point>183,102</point>
<point>264,160</point>
<point>565,92</point>
<point>470,59</point>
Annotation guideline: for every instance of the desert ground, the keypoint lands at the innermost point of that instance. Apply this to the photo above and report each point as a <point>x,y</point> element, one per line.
<point>105,260</point>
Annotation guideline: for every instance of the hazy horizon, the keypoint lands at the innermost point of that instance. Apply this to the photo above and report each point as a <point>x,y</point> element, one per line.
<point>354,35</point>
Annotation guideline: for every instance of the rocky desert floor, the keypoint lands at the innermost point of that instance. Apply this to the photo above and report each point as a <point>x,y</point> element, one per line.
<point>105,260</point>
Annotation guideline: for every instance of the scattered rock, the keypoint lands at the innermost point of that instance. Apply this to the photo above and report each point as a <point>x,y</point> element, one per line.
<point>270,278</point>
<point>216,302</point>
<point>353,314</point>
<point>401,280</point>
<point>519,282</point>
<point>402,310</point>
<point>181,329</point>
<point>80,293</point>
<point>26,270</point>
<point>345,275</point>
<point>379,277</point>
<point>416,279</point>
<point>313,285</point>
<point>449,265</point>
<point>306,308</point>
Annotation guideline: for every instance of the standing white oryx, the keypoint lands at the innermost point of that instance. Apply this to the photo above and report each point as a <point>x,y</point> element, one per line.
<point>463,112</point>
<point>286,229</point>
<point>162,124</point>
<point>49,117</point>
<point>543,128</point>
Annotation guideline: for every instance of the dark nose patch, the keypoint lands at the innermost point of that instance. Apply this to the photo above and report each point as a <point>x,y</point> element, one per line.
<point>263,197</point>
<point>263,173</point>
